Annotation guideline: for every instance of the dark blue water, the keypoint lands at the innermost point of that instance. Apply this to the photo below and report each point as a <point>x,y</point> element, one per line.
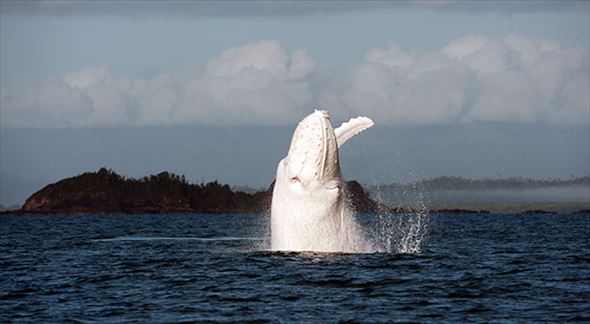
<point>177,268</point>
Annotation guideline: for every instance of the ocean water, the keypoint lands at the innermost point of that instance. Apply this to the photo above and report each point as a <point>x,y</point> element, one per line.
<point>174,268</point>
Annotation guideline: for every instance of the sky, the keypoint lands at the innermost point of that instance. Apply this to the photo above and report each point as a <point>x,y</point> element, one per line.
<point>476,89</point>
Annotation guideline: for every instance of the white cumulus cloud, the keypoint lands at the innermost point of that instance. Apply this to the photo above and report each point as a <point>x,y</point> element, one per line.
<point>474,78</point>
<point>258,83</point>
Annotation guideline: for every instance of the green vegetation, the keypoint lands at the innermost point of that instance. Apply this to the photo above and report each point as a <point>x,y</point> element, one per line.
<point>107,192</point>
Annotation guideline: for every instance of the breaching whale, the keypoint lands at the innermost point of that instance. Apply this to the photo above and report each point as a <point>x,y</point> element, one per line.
<point>309,209</point>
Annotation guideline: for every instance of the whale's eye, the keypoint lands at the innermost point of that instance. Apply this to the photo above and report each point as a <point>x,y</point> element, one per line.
<point>294,179</point>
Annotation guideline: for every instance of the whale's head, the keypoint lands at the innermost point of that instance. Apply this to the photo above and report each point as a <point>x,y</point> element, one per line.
<point>309,210</point>
<point>312,162</point>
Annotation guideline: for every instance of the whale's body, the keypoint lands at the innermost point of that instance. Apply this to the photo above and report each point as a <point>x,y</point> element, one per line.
<point>309,208</point>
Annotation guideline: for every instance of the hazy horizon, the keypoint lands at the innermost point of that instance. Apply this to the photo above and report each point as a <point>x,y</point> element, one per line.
<point>248,156</point>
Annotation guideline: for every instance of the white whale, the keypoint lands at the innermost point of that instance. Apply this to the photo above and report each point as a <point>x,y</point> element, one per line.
<point>309,208</point>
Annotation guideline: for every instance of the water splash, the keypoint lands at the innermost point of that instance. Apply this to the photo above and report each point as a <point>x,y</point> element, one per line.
<point>404,227</point>
<point>385,231</point>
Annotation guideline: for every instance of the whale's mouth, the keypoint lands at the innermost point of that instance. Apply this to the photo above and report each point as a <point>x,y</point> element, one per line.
<point>313,155</point>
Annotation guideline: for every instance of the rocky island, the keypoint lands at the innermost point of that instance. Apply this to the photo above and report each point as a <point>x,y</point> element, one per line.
<point>106,192</point>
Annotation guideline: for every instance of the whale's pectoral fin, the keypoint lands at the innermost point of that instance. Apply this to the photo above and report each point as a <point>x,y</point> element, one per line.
<point>352,127</point>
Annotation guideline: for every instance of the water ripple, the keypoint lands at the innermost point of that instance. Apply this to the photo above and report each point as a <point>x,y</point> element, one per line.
<point>199,268</point>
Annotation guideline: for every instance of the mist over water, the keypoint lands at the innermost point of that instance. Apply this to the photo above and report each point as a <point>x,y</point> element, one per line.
<point>555,194</point>
<point>564,194</point>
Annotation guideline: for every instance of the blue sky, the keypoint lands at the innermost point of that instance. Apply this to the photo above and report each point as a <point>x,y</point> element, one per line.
<point>476,89</point>
<point>37,46</point>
